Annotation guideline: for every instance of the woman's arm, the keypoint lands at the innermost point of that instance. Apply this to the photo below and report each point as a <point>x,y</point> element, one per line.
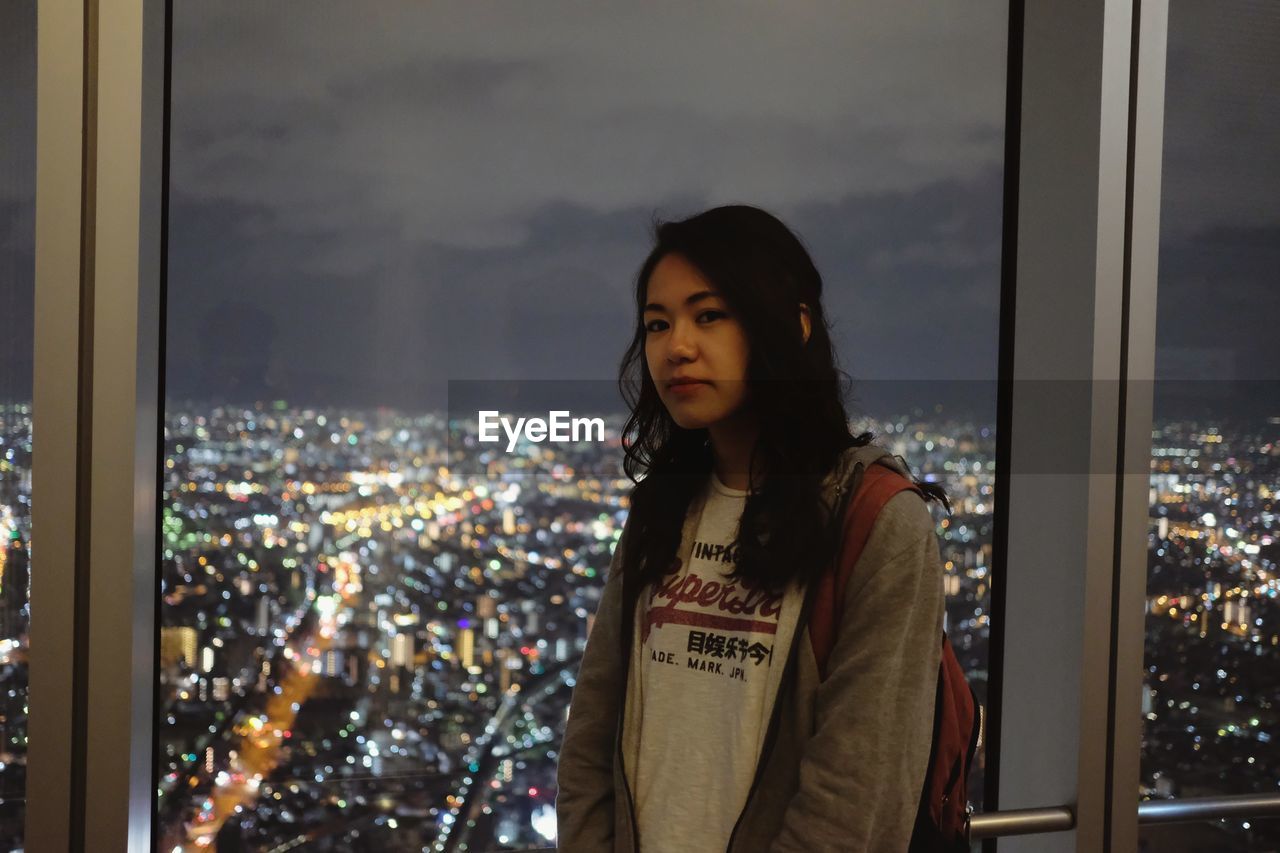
<point>584,771</point>
<point>862,772</point>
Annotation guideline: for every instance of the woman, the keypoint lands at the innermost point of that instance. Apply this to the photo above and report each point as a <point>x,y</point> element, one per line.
<point>699,721</point>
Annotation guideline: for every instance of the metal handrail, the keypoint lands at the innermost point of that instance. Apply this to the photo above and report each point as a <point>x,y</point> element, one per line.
<point>982,825</point>
<point>1018,822</point>
<point>1208,808</point>
<point>1062,818</point>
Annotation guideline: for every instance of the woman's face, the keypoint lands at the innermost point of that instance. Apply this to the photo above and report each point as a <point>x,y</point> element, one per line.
<point>689,333</point>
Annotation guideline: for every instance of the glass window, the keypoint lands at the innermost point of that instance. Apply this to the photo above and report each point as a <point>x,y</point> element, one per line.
<point>383,222</point>
<point>1212,678</point>
<point>17,292</point>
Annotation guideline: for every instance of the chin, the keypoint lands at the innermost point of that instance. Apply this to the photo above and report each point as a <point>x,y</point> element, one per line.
<point>690,423</point>
<point>686,419</point>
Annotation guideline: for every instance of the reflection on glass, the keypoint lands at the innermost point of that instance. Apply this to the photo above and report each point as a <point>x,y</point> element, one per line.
<point>1211,697</point>
<point>371,624</point>
<point>17,291</point>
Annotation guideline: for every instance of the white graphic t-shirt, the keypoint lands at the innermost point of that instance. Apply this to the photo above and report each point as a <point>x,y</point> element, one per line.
<point>706,649</point>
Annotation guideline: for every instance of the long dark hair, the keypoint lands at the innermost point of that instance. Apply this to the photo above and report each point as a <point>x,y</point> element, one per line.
<point>795,389</point>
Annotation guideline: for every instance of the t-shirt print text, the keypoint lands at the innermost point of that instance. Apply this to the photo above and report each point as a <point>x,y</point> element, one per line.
<point>725,610</point>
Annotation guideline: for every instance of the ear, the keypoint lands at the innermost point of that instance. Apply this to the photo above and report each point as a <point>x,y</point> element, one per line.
<point>804,322</point>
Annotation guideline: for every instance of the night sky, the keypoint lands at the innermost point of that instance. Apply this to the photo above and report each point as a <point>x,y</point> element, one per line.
<point>371,202</point>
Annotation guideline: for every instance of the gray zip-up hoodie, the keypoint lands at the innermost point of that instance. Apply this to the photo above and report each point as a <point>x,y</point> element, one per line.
<point>844,759</point>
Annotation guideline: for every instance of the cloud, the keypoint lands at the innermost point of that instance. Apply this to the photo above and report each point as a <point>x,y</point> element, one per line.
<point>17,105</point>
<point>17,197</point>
<point>453,123</point>
<point>407,193</point>
<point>559,304</point>
<point>1221,157</point>
<point>435,192</point>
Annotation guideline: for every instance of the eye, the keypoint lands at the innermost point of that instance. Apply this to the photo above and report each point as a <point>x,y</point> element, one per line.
<point>710,315</point>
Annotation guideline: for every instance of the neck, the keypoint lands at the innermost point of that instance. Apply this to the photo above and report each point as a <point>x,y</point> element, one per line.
<point>731,445</point>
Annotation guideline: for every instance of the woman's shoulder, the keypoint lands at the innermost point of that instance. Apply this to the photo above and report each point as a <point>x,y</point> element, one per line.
<point>904,519</point>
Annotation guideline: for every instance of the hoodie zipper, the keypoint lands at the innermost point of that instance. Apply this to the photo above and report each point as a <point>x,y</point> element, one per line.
<point>843,493</point>
<point>776,713</point>
<point>628,628</point>
<point>626,787</point>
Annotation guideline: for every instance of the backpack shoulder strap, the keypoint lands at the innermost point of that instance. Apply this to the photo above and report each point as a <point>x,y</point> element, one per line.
<point>878,484</point>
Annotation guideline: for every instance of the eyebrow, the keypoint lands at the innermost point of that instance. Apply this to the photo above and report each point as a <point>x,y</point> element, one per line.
<point>697,297</point>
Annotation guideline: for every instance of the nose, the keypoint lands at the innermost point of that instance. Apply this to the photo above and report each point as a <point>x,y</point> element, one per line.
<point>680,343</point>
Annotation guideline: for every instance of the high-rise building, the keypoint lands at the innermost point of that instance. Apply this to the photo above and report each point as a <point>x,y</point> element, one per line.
<point>263,621</point>
<point>504,669</point>
<point>352,675</point>
<point>178,643</point>
<point>332,663</point>
<point>14,579</point>
<point>402,650</point>
<point>466,647</point>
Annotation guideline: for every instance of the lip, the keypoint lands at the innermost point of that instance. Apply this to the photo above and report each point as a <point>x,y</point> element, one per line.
<point>687,387</point>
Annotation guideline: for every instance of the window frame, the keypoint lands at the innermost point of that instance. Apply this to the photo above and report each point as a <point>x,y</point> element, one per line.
<point>1077,322</point>
<point>102,84</point>
<point>1077,354</point>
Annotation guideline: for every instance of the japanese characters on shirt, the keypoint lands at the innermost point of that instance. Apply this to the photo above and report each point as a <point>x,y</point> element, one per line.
<point>706,622</point>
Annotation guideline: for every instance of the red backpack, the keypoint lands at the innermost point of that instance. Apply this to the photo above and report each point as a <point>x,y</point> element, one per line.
<point>957,715</point>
